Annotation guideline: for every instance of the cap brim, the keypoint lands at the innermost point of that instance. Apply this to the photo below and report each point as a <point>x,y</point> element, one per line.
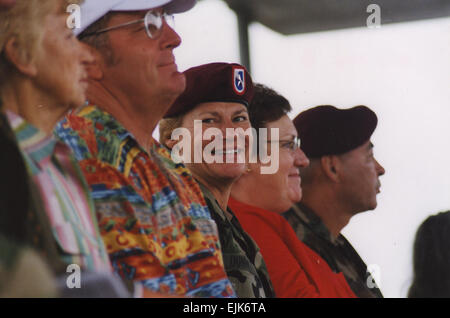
<point>178,6</point>
<point>138,5</point>
<point>91,11</point>
<point>174,6</point>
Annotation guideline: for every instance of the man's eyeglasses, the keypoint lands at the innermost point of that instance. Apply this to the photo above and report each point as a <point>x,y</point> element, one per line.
<point>292,145</point>
<point>153,22</point>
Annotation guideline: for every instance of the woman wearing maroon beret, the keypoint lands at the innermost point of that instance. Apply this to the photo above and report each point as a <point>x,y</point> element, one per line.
<point>216,99</point>
<point>259,199</point>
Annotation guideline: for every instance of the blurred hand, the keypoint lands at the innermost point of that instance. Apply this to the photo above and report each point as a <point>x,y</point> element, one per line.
<point>5,4</point>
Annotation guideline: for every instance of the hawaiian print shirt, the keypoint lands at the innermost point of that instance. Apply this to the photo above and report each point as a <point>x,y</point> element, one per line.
<point>243,261</point>
<point>152,215</point>
<point>337,252</point>
<point>61,199</point>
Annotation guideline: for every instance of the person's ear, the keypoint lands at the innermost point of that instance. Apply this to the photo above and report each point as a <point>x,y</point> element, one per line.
<point>14,55</point>
<point>170,143</point>
<point>331,167</point>
<point>95,66</point>
<point>252,167</point>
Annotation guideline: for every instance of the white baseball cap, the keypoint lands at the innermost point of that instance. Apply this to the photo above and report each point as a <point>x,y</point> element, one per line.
<point>93,10</point>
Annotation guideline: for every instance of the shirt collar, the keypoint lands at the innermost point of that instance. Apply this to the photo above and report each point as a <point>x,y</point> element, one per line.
<point>105,119</point>
<point>108,120</point>
<point>207,194</point>
<point>313,221</point>
<point>38,145</point>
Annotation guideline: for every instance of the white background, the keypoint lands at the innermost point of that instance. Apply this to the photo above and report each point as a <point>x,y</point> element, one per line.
<point>401,71</point>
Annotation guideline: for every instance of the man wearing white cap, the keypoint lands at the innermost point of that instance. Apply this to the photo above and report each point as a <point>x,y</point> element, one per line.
<point>152,216</point>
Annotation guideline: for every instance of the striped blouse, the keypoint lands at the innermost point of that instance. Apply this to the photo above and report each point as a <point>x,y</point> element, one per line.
<point>64,196</point>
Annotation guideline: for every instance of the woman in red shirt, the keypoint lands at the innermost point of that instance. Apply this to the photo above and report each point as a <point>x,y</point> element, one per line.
<point>258,198</point>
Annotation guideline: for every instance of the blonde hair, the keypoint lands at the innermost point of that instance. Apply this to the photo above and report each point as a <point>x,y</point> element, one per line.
<point>25,23</point>
<point>167,126</point>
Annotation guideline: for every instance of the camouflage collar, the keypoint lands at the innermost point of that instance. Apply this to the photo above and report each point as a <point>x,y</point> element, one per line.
<point>314,222</point>
<point>207,194</point>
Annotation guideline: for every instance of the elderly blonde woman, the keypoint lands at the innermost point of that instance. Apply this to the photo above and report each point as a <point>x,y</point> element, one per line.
<point>43,76</point>
<point>217,96</point>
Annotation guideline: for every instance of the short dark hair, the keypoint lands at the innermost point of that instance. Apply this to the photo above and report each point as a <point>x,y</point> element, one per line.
<point>99,41</point>
<point>431,258</point>
<point>267,106</point>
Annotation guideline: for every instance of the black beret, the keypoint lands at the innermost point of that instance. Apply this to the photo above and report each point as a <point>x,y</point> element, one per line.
<point>214,82</point>
<point>327,130</point>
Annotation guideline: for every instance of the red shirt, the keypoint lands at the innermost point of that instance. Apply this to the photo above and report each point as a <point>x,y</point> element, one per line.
<point>295,269</point>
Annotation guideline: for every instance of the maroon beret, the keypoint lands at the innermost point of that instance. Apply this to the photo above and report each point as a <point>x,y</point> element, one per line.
<point>327,130</point>
<point>214,82</point>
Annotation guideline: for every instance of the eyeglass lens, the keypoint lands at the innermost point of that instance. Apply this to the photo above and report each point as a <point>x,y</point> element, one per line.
<point>154,23</point>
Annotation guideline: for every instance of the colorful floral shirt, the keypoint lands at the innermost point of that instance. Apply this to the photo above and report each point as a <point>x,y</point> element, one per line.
<point>62,198</point>
<point>152,215</point>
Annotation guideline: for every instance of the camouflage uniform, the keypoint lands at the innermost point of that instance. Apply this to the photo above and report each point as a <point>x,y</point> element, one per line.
<point>337,252</point>
<point>244,264</point>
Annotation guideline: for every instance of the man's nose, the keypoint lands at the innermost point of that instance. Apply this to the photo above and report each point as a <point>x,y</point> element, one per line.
<point>380,169</point>
<point>169,37</point>
<point>85,54</point>
<point>301,160</point>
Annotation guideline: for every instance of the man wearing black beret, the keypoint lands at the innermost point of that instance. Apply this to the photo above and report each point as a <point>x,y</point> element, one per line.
<point>341,181</point>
